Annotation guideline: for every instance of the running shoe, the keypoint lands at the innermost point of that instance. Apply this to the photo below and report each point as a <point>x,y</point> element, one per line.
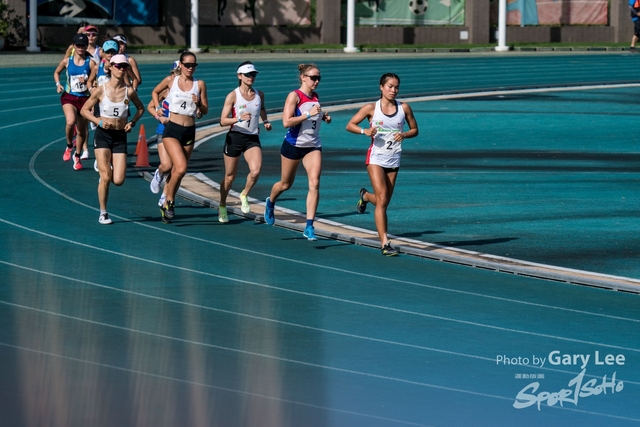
<point>269,216</point>
<point>67,154</point>
<point>309,233</point>
<point>163,198</point>
<point>245,203</point>
<point>222,214</point>
<point>85,155</point>
<point>104,219</point>
<point>168,211</point>
<point>361,206</point>
<point>387,250</point>
<point>155,182</point>
<point>77,165</point>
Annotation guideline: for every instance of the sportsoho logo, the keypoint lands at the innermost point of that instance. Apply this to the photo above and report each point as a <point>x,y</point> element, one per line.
<point>577,387</point>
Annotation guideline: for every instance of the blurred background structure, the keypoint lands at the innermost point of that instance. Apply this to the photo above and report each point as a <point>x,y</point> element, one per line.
<point>323,22</point>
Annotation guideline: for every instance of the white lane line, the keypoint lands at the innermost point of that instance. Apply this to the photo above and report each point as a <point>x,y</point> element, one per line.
<point>276,321</point>
<point>182,381</point>
<point>319,296</point>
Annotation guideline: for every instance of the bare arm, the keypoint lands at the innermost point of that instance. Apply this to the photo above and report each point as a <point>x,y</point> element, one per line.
<point>225,119</point>
<point>56,75</point>
<point>133,96</point>
<point>165,84</point>
<point>288,113</point>
<point>204,99</point>
<point>136,78</point>
<point>151,109</point>
<point>411,121</point>
<point>263,112</point>
<point>92,76</point>
<point>87,108</point>
<point>366,112</point>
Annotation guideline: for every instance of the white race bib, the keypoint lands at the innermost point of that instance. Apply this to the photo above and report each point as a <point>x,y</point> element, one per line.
<point>78,83</point>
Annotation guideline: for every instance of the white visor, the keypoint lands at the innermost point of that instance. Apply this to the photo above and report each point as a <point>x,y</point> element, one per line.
<point>247,68</point>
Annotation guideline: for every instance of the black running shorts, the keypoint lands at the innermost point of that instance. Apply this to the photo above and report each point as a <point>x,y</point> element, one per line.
<point>114,140</point>
<point>186,135</point>
<point>237,143</point>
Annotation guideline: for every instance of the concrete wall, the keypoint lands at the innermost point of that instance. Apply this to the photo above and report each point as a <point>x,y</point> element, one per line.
<point>408,35</point>
<point>174,30</point>
<point>257,36</point>
<point>620,20</point>
<point>559,35</point>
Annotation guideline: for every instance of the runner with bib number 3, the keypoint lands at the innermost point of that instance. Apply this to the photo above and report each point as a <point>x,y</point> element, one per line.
<point>303,115</point>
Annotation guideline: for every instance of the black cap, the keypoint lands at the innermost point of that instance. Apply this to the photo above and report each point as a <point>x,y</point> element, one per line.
<point>81,39</point>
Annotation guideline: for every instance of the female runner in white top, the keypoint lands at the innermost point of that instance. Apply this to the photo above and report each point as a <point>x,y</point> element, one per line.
<point>386,119</point>
<point>242,111</point>
<point>110,140</point>
<point>188,100</point>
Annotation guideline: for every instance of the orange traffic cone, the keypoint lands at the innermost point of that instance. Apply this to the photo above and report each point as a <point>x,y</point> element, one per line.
<point>141,135</point>
<point>142,151</point>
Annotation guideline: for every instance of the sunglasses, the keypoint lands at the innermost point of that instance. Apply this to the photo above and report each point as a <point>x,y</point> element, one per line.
<point>92,34</point>
<point>315,78</point>
<point>111,52</point>
<point>190,64</point>
<point>251,74</point>
<point>121,66</point>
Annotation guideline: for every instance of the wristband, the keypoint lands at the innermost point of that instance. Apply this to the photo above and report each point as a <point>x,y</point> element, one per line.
<point>132,123</point>
<point>239,120</point>
<point>361,131</point>
<point>57,84</point>
<point>266,122</point>
<point>308,115</point>
<point>100,124</point>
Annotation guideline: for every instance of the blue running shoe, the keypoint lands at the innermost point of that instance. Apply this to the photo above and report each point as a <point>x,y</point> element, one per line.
<point>269,216</point>
<point>309,233</point>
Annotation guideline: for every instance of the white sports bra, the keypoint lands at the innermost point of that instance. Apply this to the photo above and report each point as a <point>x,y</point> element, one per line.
<point>114,110</point>
<point>182,102</point>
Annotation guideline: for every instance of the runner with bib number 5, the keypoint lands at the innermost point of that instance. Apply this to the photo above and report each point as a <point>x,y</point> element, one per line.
<point>110,138</point>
